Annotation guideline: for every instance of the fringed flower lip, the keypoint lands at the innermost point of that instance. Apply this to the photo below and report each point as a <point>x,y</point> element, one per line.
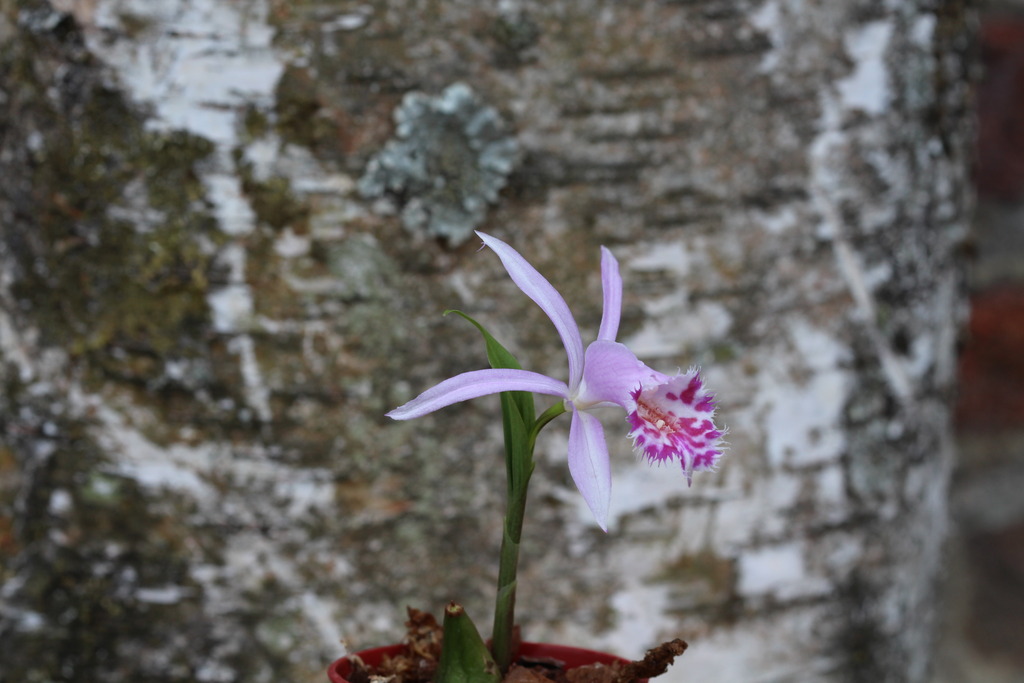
<point>671,418</point>
<point>674,420</point>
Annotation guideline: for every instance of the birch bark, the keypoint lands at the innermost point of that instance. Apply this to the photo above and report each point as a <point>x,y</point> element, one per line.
<point>208,303</point>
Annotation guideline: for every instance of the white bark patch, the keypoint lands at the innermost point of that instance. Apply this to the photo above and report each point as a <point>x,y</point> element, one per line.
<point>257,394</point>
<point>675,327</point>
<point>673,257</point>
<point>779,571</point>
<point>61,503</point>
<point>205,62</point>
<point>163,595</point>
<point>234,215</point>
<point>753,653</point>
<point>232,307</point>
<point>770,569</point>
<point>642,486</point>
<point>14,349</point>
<point>803,400</point>
<point>768,18</point>
<point>255,481</point>
<point>639,609</point>
<point>827,191</point>
<point>867,88</point>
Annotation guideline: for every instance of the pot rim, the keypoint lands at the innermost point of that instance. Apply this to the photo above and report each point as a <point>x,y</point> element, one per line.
<point>571,655</point>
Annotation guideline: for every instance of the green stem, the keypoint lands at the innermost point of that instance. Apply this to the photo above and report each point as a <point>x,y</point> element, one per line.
<point>504,607</point>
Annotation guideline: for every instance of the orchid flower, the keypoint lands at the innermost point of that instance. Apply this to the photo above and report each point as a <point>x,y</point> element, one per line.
<point>670,417</point>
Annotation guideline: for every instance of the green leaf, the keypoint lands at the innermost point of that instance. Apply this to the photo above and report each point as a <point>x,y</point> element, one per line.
<point>517,445</point>
<point>464,655</point>
<point>500,357</point>
<point>519,420</point>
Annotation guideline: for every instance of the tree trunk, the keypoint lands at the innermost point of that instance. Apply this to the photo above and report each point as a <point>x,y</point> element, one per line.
<point>226,251</point>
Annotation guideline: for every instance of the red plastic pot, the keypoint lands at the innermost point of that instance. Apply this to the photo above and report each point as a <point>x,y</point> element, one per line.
<point>572,656</point>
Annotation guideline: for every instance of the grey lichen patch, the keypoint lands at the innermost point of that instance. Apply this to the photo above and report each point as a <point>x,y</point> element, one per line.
<point>450,157</point>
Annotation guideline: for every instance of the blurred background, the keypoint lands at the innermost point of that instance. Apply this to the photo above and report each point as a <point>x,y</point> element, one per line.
<point>228,230</point>
<point>987,570</point>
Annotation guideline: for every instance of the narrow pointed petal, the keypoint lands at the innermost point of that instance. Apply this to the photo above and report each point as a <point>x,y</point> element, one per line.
<point>588,464</point>
<point>535,286</point>
<point>475,384</point>
<point>611,285</point>
<point>611,373</point>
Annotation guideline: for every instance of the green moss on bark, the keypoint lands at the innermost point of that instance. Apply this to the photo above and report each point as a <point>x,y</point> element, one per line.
<point>273,201</point>
<point>111,222</point>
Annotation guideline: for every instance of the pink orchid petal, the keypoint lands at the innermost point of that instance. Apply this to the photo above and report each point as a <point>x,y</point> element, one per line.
<point>475,384</point>
<point>535,286</point>
<point>611,372</point>
<point>611,285</point>
<point>589,465</point>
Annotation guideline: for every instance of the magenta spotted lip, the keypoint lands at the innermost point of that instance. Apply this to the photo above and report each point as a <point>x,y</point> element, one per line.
<point>672,421</point>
